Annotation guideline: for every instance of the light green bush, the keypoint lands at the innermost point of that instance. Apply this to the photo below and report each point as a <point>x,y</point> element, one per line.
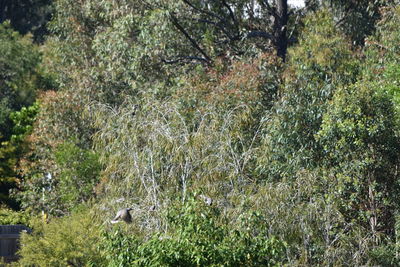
<point>8,216</point>
<point>80,170</point>
<point>71,240</point>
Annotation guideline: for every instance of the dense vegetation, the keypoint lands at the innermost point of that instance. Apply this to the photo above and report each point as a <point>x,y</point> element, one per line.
<point>287,118</point>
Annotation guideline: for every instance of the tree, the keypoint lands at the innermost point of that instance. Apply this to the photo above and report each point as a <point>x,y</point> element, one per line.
<point>12,150</point>
<point>316,67</point>
<point>357,19</point>
<point>58,162</point>
<point>19,61</point>
<point>360,143</point>
<point>239,20</point>
<point>196,32</point>
<point>27,16</point>
<point>19,80</point>
<point>281,18</point>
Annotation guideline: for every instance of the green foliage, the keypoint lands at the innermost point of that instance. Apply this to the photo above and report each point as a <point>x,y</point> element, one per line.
<point>323,54</point>
<point>11,151</point>
<point>357,19</point>
<point>80,171</point>
<point>71,240</point>
<point>382,50</point>
<point>198,236</point>
<point>321,62</point>
<point>23,122</point>
<point>59,192</point>
<point>10,217</point>
<point>27,16</point>
<point>19,60</point>
<point>300,157</point>
<point>8,156</point>
<point>60,118</point>
<point>384,255</point>
<point>110,51</point>
<point>117,247</point>
<point>359,135</point>
<point>360,142</point>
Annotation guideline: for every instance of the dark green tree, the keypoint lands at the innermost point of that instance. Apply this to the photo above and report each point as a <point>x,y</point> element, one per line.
<point>27,16</point>
<point>19,60</point>
<point>19,79</point>
<point>13,149</point>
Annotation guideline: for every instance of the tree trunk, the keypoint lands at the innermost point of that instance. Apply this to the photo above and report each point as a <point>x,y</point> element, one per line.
<point>280,28</point>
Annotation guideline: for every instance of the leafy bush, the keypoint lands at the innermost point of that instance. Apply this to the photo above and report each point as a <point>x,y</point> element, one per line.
<point>12,150</point>
<point>73,183</point>
<point>8,216</point>
<point>23,121</point>
<point>197,235</point>
<point>60,128</point>
<point>80,171</point>
<point>66,241</point>
<point>360,141</point>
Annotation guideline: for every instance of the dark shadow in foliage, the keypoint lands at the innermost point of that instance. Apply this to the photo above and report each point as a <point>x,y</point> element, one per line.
<point>27,16</point>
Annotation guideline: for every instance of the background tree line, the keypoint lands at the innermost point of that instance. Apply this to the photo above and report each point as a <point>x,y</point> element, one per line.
<point>288,118</point>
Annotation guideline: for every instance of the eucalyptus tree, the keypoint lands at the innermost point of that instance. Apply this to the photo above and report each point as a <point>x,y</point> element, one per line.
<point>228,23</point>
<point>356,19</point>
<point>118,44</point>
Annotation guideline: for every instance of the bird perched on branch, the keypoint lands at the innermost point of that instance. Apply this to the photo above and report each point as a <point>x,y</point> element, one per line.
<point>123,215</point>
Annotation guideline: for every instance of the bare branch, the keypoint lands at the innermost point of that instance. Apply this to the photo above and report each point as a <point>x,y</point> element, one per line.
<point>187,59</point>
<point>255,34</point>
<point>174,21</point>
<point>232,15</point>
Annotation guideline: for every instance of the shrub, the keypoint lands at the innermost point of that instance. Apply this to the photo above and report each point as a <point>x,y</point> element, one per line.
<point>197,235</point>
<point>66,241</point>
<point>80,169</point>
<point>360,142</point>
<point>59,147</point>
<point>8,216</point>
<point>11,151</point>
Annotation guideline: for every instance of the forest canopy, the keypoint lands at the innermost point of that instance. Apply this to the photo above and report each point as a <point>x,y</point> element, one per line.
<point>238,132</point>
